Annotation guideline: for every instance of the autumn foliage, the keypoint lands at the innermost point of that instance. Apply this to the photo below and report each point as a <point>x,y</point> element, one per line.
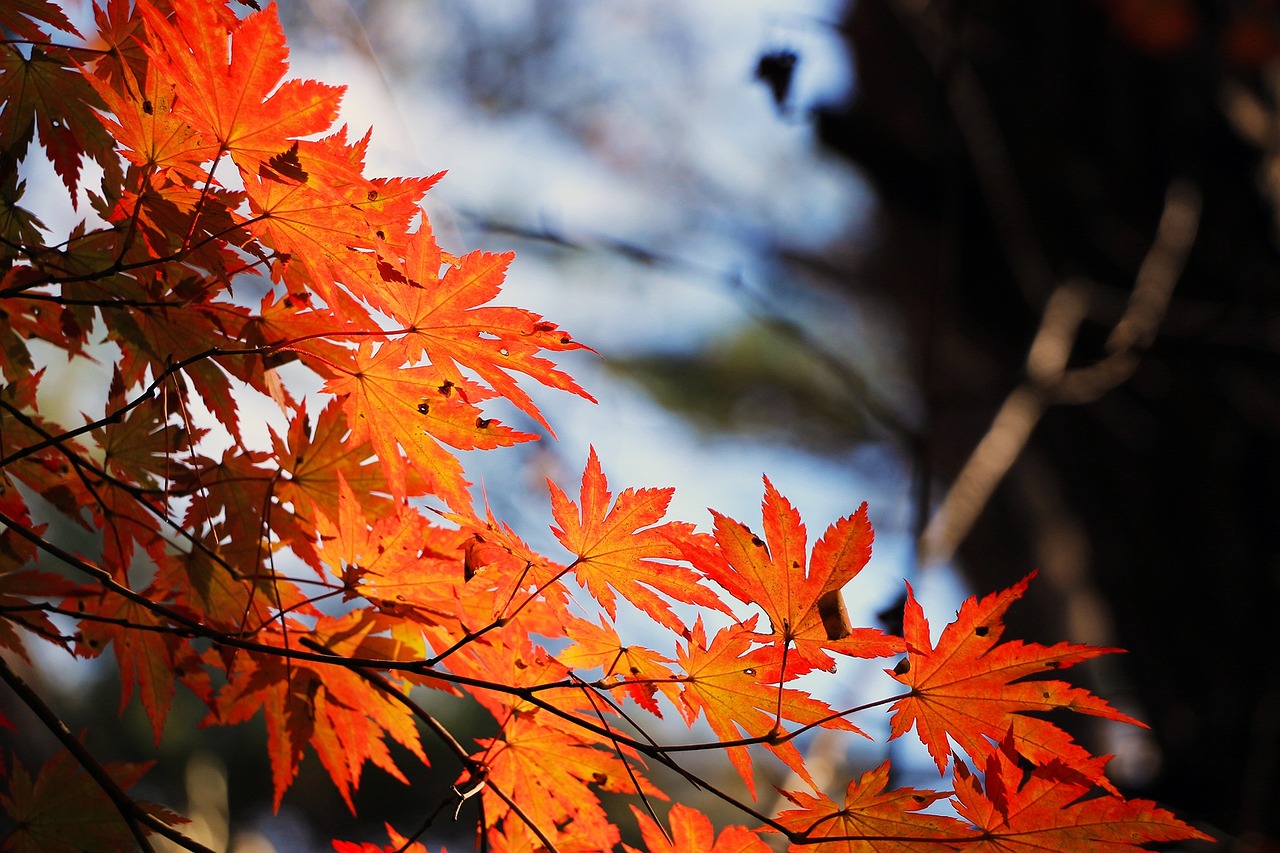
<point>333,577</point>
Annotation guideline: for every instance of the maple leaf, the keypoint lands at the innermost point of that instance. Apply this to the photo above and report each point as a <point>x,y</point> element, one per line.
<point>449,320</point>
<point>496,559</point>
<point>143,121</point>
<point>233,502</point>
<point>692,832</point>
<point>19,17</point>
<point>728,683</point>
<point>314,206</point>
<point>142,446</point>
<point>642,670</point>
<point>804,606</point>
<point>120,36</point>
<point>344,718</point>
<point>47,471</point>
<point>177,219</point>
<point>236,97</point>
<point>149,656</point>
<point>511,658</point>
<point>313,458</point>
<point>44,91</point>
<point>17,588</point>
<point>126,521</point>
<point>617,548</point>
<point>872,820</point>
<point>968,687</point>
<point>63,810</point>
<point>401,563</point>
<point>1046,812</point>
<point>551,774</point>
<point>152,339</point>
<point>394,407</point>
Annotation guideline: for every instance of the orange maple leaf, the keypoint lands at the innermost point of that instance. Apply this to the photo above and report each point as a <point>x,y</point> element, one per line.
<point>968,687</point>
<point>1047,812</point>
<point>692,832</point>
<point>344,718</point>
<point>448,318</point>
<point>237,97</point>
<point>872,819</point>
<point>395,407</point>
<point>495,558</point>
<point>731,686</point>
<point>552,774</point>
<point>313,205</point>
<point>401,563</point>
<point>641,670</point>
<point>804,606</point>
<point>617,548</point>
<point>142,120</point>
<point>314,456</point>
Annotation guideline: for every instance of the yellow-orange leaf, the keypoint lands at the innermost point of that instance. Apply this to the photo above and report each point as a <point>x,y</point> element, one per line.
<point>692,832</point>
<point>872,820</point>
<point>618,547</point>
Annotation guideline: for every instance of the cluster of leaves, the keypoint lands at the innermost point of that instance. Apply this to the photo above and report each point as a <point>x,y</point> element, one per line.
<point>334,576</point>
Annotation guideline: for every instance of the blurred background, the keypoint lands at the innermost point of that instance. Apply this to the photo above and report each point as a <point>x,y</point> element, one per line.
<point>1008,271</point>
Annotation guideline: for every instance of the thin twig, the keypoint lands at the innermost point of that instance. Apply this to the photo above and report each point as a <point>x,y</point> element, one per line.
<point>1049,381</point>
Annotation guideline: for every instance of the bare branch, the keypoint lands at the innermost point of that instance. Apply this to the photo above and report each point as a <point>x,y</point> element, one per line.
<point>1049,381</point>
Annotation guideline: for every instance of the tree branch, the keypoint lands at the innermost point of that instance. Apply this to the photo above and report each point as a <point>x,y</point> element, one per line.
<point>133,814</point>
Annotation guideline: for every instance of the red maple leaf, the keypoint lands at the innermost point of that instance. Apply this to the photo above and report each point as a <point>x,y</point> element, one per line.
<point>970,688</point>
<point>1047,810</point>
<point>805,609</point>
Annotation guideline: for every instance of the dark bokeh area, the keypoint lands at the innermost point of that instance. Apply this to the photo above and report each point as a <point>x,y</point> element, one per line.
<point>1023,152</point>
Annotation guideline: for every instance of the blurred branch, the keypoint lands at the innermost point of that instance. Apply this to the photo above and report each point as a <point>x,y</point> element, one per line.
<point>1048,379</point>
<point>756,305</point>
